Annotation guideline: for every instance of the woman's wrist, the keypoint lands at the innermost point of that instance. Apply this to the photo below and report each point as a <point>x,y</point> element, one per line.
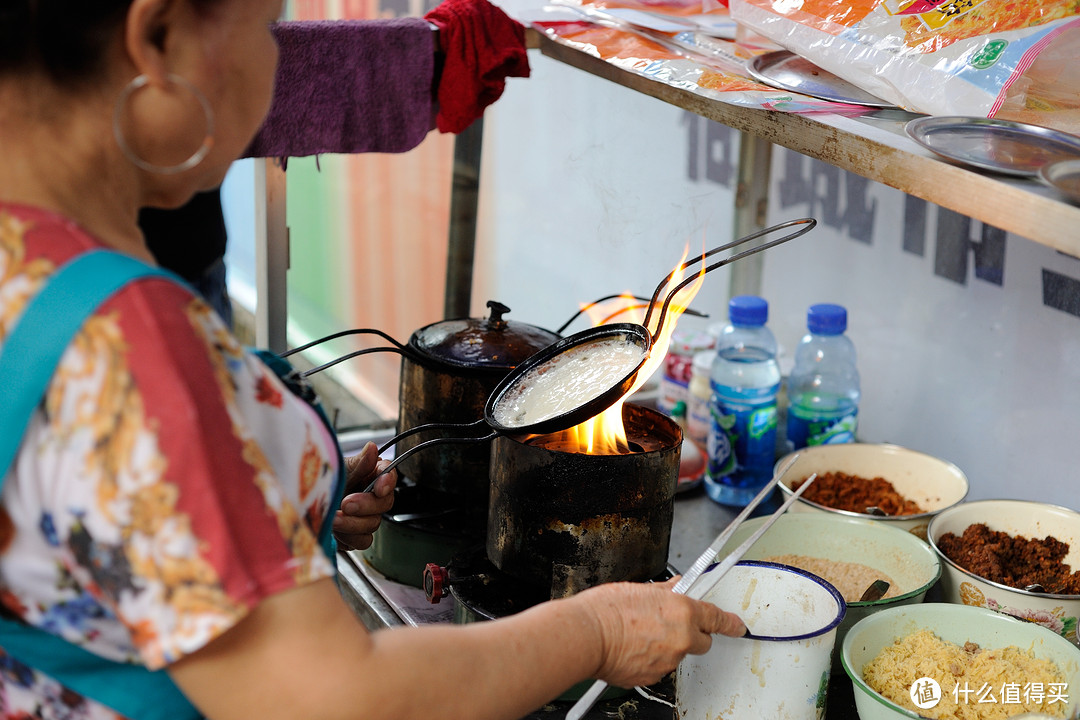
<point>587,616</point>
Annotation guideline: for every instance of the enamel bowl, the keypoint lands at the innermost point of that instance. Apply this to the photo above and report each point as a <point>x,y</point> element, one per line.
<point>933,483</point>
<point>781,668</point>
<point>957,624</point>
<point>1029,519</point>
<point>907,561</point>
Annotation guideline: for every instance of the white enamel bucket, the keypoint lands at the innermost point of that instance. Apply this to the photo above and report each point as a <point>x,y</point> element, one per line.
<point>780,670</point>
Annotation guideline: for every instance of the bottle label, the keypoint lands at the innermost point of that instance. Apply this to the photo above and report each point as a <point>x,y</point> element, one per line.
<point>742,442</point>
<point>671,392</point>
<point>698,420</point>
<point>810,429</point>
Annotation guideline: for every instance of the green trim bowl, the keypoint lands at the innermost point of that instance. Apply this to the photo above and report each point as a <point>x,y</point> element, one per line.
<point>933,483</point>
<point>1016,517</point>
<point>957,624</point>
<point>908,561</point>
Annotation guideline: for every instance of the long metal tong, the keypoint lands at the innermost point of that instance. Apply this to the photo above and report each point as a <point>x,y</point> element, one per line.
<point>805,225</point>
<point>689,585</point>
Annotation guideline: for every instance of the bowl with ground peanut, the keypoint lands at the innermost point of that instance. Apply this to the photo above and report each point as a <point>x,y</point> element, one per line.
<point>848,553</point>
<point>940,660</point>
<point>886,483</point>
<point>1017,557</point>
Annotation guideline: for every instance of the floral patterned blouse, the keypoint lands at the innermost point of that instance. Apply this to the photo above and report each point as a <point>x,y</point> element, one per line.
<point>166,485</point>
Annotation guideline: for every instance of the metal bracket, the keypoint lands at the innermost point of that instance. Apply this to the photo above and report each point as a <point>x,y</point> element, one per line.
<point>271,257</point>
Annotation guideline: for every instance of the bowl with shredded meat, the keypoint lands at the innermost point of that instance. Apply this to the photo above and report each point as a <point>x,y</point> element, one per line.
<point>1018,557</point>
<point>885,483</point>
<point>946,661</point>
<point>849,554</point>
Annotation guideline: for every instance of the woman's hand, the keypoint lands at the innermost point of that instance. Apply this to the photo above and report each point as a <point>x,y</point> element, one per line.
<point>647,629</point>
<point>360,512</point>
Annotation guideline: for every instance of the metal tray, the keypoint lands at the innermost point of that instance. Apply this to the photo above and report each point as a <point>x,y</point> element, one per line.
<point>787,71</point>
<point>1001,146</point>
<point>1063,175</point>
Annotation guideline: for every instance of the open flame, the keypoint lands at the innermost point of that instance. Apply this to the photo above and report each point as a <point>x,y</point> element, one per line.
<point>605,434</point>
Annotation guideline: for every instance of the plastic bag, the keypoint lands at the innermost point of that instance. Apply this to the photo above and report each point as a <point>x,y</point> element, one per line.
<point>688,61</point>
<point>1012,59</point>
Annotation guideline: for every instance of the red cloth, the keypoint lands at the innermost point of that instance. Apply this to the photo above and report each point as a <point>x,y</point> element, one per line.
<point>483,46</point>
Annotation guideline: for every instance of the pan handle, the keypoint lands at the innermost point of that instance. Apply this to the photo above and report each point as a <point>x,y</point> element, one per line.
<point>808,224</point>
<point>427,426</point>
<point>426,444</point>
<point>575,316</point>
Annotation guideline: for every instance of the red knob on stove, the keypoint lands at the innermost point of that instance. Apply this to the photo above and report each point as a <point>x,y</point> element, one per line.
<point>436,585</point>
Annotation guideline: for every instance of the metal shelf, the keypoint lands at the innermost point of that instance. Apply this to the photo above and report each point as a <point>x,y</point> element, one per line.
<point>872,145</point>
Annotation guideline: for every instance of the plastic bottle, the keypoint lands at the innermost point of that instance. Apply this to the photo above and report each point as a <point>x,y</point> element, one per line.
<point>700,392</point>
<point>823,387</point>
<point>691,457</point>
<point>745,381</point>
<point>676,377</point>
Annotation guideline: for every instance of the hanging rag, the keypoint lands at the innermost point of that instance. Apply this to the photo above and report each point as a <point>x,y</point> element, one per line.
<point>482,47</point>
<point>336,91</point>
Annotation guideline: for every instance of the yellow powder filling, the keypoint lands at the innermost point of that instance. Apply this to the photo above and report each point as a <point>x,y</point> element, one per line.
<point>924,655</point>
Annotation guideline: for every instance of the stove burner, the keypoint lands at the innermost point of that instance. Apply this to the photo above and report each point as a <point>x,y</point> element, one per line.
<point>424,526</point>
<point>563,521</point>
<point>426,510</point>
<point>483,592</point>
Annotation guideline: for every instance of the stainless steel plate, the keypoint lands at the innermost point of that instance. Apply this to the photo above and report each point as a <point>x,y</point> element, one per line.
<point>1065,176</point>
<point>788,71</point>
<point>1002,146</point>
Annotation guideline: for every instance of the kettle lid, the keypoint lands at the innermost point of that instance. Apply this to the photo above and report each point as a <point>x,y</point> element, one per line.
<point>491,342</point>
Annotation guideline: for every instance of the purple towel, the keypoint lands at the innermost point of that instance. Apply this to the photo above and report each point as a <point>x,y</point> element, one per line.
<point>350,86</point>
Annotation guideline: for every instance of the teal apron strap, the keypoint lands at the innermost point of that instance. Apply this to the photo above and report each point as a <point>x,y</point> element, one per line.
<point>28,359</point>
<point>32,351</point>
<point>131,690</point>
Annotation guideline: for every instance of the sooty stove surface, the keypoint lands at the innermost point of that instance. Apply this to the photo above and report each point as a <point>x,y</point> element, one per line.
<point>409,606</point>
<point>382,602</point>
<point>483,592</point>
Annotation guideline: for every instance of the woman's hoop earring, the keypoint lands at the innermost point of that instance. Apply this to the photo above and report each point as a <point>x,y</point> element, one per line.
<point>197,157</point>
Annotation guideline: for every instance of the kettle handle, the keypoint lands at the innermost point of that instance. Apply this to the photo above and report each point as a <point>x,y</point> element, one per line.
<point>343,333</point>
<point>404,352</point>
<point>397,347</point>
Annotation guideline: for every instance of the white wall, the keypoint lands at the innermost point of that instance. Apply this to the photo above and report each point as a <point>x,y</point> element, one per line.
<point>584,194</point>
<point>589,188</point>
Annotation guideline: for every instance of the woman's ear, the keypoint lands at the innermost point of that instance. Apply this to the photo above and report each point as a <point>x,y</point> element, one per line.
<point>146,36</point>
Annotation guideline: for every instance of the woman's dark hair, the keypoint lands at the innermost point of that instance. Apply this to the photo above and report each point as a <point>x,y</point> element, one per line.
<point>65,40</point>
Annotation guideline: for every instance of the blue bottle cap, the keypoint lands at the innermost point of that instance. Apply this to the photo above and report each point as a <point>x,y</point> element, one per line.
<point>748,310</point>
<point>826,319</point>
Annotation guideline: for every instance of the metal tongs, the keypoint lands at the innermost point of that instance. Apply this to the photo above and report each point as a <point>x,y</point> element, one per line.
<point>688,585</point>
<point>640,335</point>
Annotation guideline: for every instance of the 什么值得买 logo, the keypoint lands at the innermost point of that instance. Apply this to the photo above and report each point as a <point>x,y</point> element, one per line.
<point>927,693</point>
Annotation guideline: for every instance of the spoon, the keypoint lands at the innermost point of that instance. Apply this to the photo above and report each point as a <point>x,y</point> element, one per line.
<point>876,591</point>
<point>423,515</point>
<point>876,511</point>
<point>1035,588</point>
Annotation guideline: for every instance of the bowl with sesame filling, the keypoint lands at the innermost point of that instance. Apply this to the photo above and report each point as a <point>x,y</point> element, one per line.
<point>1017,557</point>
<point>885,483</point>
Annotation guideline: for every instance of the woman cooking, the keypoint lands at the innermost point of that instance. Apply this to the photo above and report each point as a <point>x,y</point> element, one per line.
<point>163,517</point>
